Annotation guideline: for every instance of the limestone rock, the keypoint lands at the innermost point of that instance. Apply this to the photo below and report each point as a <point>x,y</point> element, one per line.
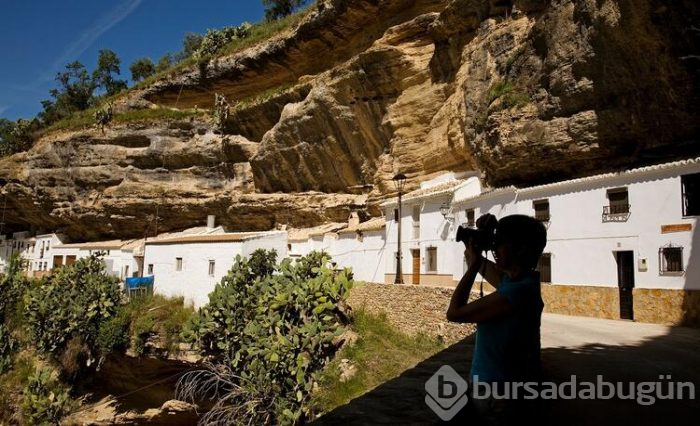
<point>363,89</point>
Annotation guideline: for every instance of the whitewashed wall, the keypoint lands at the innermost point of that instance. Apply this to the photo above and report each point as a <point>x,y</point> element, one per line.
<point>193,281</point>
<point>366,258</point>
<point>583,246</point>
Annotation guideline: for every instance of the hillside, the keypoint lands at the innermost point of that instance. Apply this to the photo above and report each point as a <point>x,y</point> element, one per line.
<point>526,92</point>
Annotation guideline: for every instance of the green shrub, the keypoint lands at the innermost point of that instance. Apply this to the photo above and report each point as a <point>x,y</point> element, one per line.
<point>267,336</point>
<point>45,401</point>
<point>157,318</point>
<point>12,286</point>
<point>113,334</point>
<point>143,331</point>
<point>215,40</point>
<point>72,302</point>
<point>8,346</point>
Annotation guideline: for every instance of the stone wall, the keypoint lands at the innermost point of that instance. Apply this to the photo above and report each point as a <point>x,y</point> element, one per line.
<point>420,308</point>
<point>660,306</point>
<point>411,308</point>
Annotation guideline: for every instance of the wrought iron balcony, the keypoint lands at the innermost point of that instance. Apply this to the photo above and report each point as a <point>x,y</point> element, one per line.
<point>616,213</point>
<point>542,217</point>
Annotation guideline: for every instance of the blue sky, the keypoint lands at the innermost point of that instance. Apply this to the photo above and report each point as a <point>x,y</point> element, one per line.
<point>39,37</point>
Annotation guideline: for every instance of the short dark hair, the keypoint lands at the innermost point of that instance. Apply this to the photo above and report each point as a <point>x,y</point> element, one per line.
<point>526,232</point>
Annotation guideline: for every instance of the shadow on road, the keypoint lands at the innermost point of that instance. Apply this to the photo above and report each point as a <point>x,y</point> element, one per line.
<point>401,400</point>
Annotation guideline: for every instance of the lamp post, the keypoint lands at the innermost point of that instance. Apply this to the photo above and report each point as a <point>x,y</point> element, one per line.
<point>399,182</point>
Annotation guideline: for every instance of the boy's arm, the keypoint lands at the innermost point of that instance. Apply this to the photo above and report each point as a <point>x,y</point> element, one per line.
<point>491,306</point>
<point>490,272</point>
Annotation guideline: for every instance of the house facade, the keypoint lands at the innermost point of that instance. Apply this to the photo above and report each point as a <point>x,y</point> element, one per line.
<point>620,245</point>
<point>191,265</point>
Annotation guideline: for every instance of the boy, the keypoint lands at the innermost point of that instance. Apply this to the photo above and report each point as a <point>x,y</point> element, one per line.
<point>507,347</point>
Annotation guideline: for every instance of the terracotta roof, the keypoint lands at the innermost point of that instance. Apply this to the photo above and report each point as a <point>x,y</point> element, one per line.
<point>432,191</point>
<point>303,234</point>
<point>374,224</point>
<point>208,238</point>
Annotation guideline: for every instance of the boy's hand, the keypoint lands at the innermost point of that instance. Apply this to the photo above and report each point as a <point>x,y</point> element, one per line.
<point>473,256</point>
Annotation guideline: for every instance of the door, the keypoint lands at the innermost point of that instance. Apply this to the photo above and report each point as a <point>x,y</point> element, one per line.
<point>415,274</point>
<point>70,260</point>
<point>625,283</point>
<point>57,262</point>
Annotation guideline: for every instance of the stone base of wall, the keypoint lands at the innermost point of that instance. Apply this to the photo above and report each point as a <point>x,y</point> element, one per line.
<point>435,280</point>
<point>411,308</point>
<point>660,306</point>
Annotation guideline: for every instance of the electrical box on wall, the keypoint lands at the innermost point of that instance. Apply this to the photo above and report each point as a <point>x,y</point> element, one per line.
<point>642,264</point>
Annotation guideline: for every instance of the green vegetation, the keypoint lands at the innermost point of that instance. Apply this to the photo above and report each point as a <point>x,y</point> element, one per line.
<point>46,399</point>
<point>380,353</point>
<point>56,330</point>
<point>86,119</point>
<point>276,9</point>
<point>142,68</point>
<point>71,304</point>
<point>509,96</point>
<point>268,329</point>
<point>156,323</point>
<point>108,65</point>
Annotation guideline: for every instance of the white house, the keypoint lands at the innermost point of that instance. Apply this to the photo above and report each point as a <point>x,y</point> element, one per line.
<point>118,263</point>
<point>620,245</point>
<point>192,265</point>
<point>40,258</point>
<point>361,246</point>
<point>430,256</point>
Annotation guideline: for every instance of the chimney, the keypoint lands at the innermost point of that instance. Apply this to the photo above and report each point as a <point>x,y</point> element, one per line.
<point>211,220</point>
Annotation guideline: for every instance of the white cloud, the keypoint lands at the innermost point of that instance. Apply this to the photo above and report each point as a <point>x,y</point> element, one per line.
<point>90,34</point>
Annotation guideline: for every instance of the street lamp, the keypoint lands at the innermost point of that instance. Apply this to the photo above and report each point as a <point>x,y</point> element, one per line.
<point>445,210</point>
<point>399,182</point>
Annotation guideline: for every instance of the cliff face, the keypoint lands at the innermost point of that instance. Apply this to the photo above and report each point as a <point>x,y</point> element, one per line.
<point>526,91</point>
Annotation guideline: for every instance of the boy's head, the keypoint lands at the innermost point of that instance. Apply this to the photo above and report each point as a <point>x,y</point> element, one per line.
<point>519,240</point>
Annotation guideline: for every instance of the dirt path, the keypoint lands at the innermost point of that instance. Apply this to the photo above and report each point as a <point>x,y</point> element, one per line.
<point>618,350</point>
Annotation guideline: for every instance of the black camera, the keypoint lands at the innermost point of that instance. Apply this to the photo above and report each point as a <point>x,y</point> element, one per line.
<point>482,236</point>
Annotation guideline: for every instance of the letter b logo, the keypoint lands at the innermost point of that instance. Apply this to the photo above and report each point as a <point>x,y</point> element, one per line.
<point>446,392</point>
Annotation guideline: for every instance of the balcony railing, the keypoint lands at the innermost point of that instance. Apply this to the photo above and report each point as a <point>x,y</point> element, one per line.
<point>542,217</point>
<point>616,213</point>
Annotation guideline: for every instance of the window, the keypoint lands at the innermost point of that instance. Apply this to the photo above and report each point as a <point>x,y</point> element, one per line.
<point>432,259</point>
<point>41,252</point>
<point>126,271</point>
<point>150,269</point>
<point>619,201</point>
<point>690,189</point>
<point>212,264</point>
<point>416,222</point>
<point>618,208</point>
<point>670,259</point>
<point>289,247</point>
<point>541,210</point>
<point>396,215</point>
<point>470,218</point>
<point>544,266</point>
<point>178,264</point>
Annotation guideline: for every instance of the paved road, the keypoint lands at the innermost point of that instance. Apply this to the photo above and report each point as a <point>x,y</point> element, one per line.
<point>619,351</point>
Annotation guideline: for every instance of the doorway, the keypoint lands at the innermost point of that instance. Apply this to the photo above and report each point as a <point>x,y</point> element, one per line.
<point>625,283</point>
<point>415,273</point>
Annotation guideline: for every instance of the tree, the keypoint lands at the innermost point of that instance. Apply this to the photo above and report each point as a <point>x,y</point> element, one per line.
<point>142,68</point>
<point>74,93</point>
<point>165,62</point>
<point>190,45</point>
<point>107,65</point>
<point>276,9</point>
